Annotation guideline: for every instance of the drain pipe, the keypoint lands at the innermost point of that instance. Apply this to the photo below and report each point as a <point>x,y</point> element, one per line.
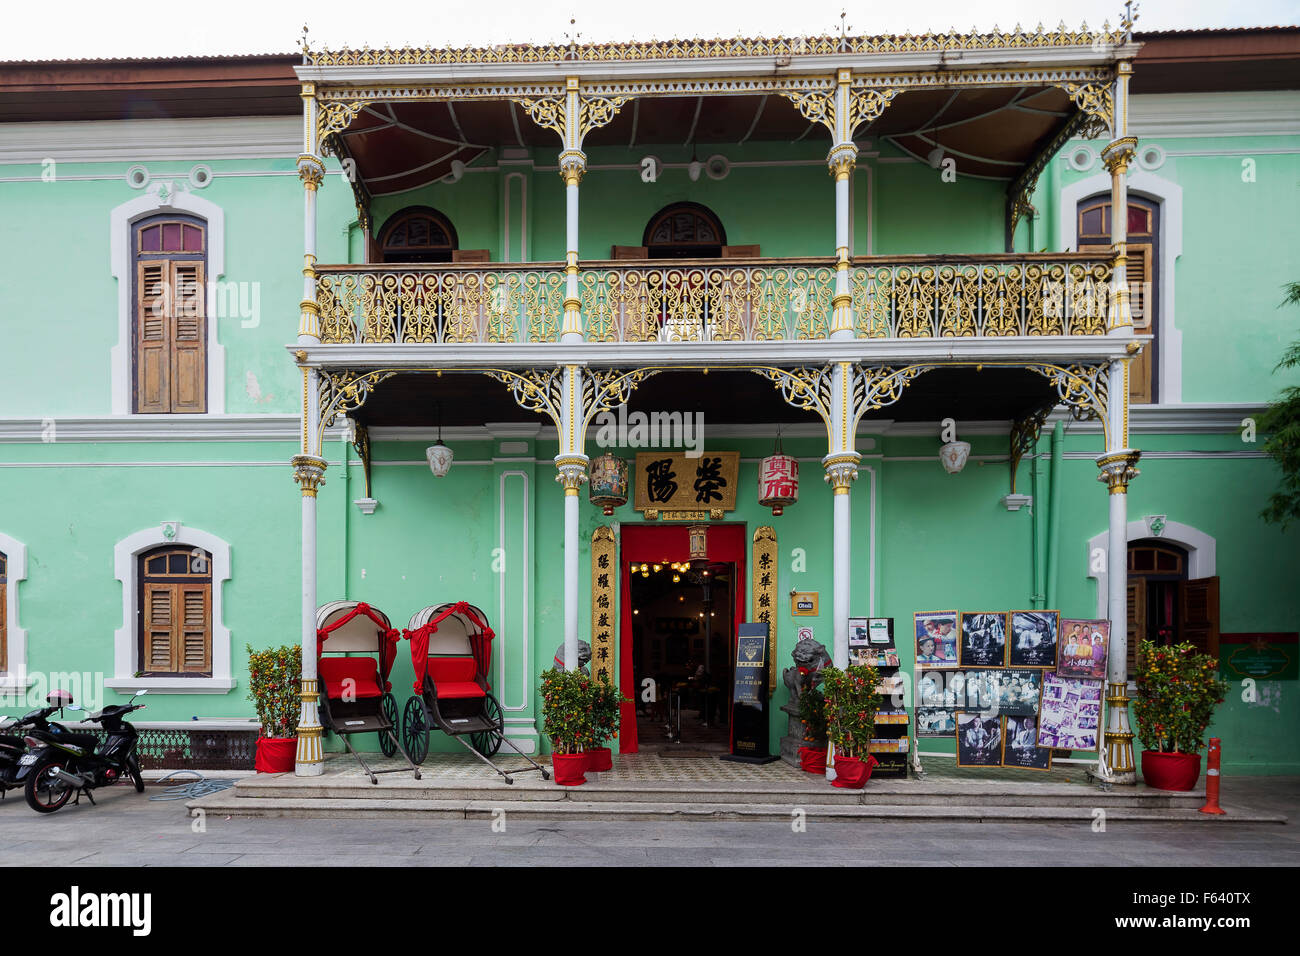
<point>1054,510</point>
<point>1035,506</point>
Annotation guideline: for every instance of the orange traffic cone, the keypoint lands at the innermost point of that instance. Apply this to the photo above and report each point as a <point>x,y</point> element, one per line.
<point>1212,780</point>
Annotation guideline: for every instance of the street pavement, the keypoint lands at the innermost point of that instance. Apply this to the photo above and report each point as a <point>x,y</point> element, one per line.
<point>129,829</point>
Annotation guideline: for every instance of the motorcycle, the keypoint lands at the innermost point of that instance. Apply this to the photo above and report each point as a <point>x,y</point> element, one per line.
<point>60,765</point>
<point>12,746</point>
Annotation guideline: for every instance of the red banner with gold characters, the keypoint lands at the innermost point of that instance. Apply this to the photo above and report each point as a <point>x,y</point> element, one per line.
<point>604,605</point>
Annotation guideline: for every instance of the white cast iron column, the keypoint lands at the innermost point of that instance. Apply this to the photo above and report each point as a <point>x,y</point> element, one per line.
<point>309,466</point>
<point>573,163</point>
<point>1118,465</point>
<point>842,158</point>
<point>841,466</point>
<point>572,465</point>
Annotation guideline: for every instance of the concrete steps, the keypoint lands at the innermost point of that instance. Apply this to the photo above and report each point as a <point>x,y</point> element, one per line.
<point>903,801</point>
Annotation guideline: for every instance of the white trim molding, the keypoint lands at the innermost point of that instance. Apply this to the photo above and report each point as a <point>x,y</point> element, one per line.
<point>153,140</point>
<point>165,197</point>
<point>1200,553</point>
<point>1169,195</point>
<point>16,676</point>
<point>125,569</point>
<point>1254,113</point>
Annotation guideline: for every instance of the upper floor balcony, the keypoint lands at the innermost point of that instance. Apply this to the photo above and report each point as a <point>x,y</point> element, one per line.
<point>734,300</point>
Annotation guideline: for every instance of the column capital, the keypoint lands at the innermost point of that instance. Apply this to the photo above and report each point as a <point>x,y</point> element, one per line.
<point>1118,469</point>
<point>1118,153</point>
<point>309,472</point>
<point>573,166</point>
<point>841,160</point>
<point>841,470</point>
<point>572,472</point>
<point>311,170</point>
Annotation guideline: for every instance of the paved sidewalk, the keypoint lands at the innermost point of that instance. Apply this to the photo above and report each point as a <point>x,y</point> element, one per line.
<point>128,829</point>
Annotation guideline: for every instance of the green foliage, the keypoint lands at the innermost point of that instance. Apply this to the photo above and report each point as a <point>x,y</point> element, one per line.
<point>606,704</point>
<point>812,711</point>
<point>1281,423</point>
<point>275,688</point>
<point>568,710</point>
<point>1177,690</point>
<point>852,699</point>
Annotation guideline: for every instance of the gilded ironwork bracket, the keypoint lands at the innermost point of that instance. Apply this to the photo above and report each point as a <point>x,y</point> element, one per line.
<point>345,391</point>
<point>1020,191</point>
<point>361,442</point>
<point>1080,388</point>
<point>1097,102</point>
<point>871,387</point>
<point>817,104</point>
<point>551,112</point>
<point>542,390</point>
<point>1024,437</point>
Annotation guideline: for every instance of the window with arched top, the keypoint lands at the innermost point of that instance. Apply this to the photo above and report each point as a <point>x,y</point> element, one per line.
<point>1165,605</point>
<point>684,230</point>
<point>418,234</point>
<point>175,602</point>
<point>170,296</point>
<point>1094,226</point>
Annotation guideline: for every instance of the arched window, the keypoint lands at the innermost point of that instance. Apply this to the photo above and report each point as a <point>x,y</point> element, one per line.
<point>170,361</point>
<point>175,601</point>
<point>1143,258</point>
<point>684,230</point>
<point>417,234</point>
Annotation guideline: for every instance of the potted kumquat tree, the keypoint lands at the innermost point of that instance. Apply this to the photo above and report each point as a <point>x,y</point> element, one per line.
<point>1177,690</point>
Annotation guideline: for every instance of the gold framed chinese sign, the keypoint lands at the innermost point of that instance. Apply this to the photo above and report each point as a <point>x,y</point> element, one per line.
<point>763,593</point>
<point>604,604</point>
<point>673,486</point>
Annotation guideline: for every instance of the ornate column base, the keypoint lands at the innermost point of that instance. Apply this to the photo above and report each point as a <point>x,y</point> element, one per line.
<point>310,761</point>
<point>1119,736</point>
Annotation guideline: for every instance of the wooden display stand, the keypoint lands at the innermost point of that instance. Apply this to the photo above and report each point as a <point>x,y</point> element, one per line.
<point>890,738</point>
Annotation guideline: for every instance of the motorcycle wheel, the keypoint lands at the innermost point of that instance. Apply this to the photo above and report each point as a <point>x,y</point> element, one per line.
<point>43,794</point>
<point>133,768</point>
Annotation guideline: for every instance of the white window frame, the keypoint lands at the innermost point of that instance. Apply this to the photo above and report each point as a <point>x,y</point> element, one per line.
<point>126,566</point>
<point>1201,553</point>
<point>159,199</point>
<point>16,677</point>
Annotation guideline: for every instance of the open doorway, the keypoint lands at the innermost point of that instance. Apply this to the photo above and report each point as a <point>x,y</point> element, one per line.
<point>677,640</point>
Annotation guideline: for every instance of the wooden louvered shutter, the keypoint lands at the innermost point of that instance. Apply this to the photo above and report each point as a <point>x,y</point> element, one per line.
<point>196,628</point>
<point>159,628</point>
<point>1142,301</point>
<point>188,378</point>
<point>1137,621</point>
<point>1198,612</point>
<point>153,337</point>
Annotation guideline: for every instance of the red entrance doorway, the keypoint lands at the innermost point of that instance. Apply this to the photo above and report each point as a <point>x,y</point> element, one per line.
<point>663,545</point>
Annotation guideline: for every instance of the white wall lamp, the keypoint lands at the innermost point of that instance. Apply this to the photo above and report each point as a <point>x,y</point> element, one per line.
<point>953,453</point>
<point>439,455</point>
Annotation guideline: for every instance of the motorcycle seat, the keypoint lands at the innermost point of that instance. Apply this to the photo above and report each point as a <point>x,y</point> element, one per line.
<point>9,741</point>
<point>87,742</point>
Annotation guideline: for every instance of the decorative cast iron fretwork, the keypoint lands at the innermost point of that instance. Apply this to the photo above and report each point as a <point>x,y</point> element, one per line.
<point>1020,192</point>
<point>345,391</point>
<point>1095,100</point>
<point>1082,388</point>
<point>542,390</point>
<point>1024,437</point>
<point>870,387</point>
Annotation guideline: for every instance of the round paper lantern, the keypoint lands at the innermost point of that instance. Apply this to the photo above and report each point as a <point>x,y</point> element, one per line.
<point>954,455</point>
<point>778,482</point>
<point>439,457</point>
<point>608,479</point>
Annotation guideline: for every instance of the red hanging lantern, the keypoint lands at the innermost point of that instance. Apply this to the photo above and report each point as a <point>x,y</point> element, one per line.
<point>778,480</point>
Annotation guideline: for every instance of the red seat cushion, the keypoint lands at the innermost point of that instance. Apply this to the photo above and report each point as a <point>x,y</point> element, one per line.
<point>335,670</point>
<point>454,676</point>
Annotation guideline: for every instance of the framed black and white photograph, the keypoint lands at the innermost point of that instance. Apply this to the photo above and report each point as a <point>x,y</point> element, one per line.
<point>1018,690</point>
<point>936,638</point>
<point>935,722</point>
<point>979,740</point>
<point>1033,638</point>
<point>983,639</point>
<point>1020,744</point>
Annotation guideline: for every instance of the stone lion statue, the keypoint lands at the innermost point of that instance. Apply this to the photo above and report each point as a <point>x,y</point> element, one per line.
<point>809,656</point>
<point>584,656</point>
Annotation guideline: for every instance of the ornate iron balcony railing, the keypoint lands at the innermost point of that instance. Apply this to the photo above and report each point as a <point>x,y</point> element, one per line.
<point>718,300</point>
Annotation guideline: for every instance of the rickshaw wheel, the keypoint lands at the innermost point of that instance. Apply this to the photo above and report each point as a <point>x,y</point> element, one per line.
<point>488,742</point>
<point>415,732</point>
<point>387,742</point>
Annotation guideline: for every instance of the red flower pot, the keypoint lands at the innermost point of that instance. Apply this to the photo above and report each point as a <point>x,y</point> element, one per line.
<point>275,754</point>
<point>851,772</point>
<point>813,760</point>
<point>1170,771</point>
<point>569,769</point>
<point>600,759</point>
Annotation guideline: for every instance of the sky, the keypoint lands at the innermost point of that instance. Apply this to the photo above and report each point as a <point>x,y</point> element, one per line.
<point>73,29</point>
